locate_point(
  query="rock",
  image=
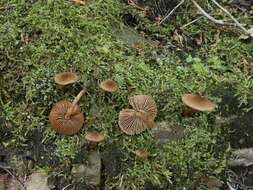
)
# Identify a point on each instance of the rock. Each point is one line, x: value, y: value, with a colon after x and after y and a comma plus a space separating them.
x: 212, y: 182
x: 244, y: 157
x: 91, y: 173
x: 167, y: 132
x: 37, y: 181
x: 78, y: 172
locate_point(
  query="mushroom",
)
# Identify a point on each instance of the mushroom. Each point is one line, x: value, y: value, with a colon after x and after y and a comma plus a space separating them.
x: 144, y: 103
x: 134, y: 122
x: 65, y: 78
x: 94, y: 138
x: 141, y: 153
x: 196, y: 102
x: 109, y: 85
x: 63, y: 121
x: 65, y: 117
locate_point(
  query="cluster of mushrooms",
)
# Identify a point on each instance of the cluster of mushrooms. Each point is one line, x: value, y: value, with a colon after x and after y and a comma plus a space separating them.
x: 66, y: 117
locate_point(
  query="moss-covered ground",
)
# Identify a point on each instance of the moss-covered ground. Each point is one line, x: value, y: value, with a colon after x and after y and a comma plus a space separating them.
x: 41, y: 38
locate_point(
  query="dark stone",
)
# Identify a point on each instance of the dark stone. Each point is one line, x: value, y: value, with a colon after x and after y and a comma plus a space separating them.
x: 129, y: 20
x: 111, y: 158
x: 149, y: 186
x: 81, y: 156
x: 5, y: 130
x: 229, y: 104
x: 242, y: 131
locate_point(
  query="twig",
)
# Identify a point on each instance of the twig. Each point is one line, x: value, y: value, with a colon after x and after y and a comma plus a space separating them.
x: 121, y: 181
x: 193, y: 21
x: 64, y: 188
x: 231, y: 16
x: 131, y: 2
x: 171, y: 12
x: 221, y: 22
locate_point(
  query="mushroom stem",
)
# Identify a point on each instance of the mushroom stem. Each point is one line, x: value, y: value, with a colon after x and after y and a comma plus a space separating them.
x: 146, y: 118
x: 92, y: 145
x: 71, y: 110
x: 142, y: 114
x: 188, y: 112
x: 60, y: 86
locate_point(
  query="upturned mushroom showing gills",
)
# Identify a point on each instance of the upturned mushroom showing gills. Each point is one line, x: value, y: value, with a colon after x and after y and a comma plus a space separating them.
x: 65, y: 117
x: 141, y: 153
x: 134, y: 122
x: 197, y: 103
x: 144, y: 103
x: 109, y: 85
x: 65, y: 78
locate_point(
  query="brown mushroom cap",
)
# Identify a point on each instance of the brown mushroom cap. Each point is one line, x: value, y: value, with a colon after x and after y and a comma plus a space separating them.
x: 141, y: 153
x: 198, y: 102
x: 144, y: 103
x: 109, y: 85
x: 131, y: 122
x: 62, y: 125
x: 66, y: 78
x: 94, y: 137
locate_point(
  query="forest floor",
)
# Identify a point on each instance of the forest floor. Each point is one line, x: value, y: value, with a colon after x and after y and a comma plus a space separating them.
x: 116, y: 40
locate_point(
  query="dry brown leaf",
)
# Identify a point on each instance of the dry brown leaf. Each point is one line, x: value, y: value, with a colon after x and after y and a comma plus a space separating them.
x: 179, y: 39
x: 139, y: 46
x: 80, y: 2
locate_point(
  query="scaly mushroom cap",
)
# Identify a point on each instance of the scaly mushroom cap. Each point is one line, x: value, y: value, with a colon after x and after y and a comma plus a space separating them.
x: 144, y: 103
x: 132, y: 122
x: 94, y: 137
x: 62, y: 125
x: 198, y: 103
x: 66, y: 78
x: 141, y: 153
x: 109, y: 85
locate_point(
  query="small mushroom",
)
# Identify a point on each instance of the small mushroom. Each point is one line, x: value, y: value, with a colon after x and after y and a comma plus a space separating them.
x: 109, y: 85
x: 65, y: 117
x: 141, y: 153
x: 144, y: 103
x: 197, y: 103
x: 94, y: 138
x: 65, y: 78
x: 134, y: 122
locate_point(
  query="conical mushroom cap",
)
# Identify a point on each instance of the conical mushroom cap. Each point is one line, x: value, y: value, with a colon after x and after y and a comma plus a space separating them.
x: 141, y: 153
x: 144, y: 103
x: 131, y: 123
x: 198, y: 103
x: 62, y: 125
x: 94, y: 137
x: 66, y: 78
x: 109, y: 85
